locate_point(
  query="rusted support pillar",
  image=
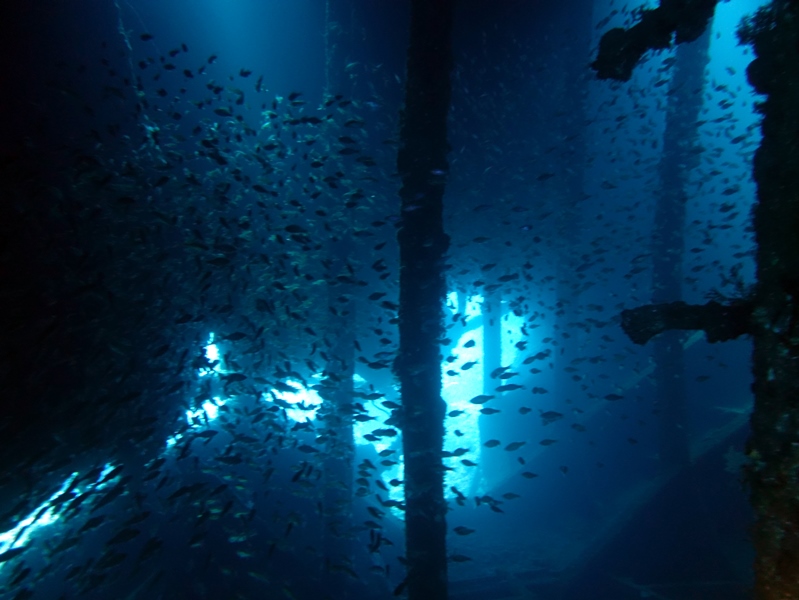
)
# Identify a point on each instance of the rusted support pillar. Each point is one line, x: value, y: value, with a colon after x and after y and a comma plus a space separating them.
x: 773, y: 449
x: 771, y: 315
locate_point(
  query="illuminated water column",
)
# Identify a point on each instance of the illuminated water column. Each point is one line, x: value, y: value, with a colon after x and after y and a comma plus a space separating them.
x: 491, y: 427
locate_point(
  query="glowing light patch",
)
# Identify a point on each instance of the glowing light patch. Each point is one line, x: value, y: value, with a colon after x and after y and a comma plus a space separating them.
x: 203, y: 415
x: 452, y: 301
x: 212, y: 350
x: 307, y: 401
x: 107, y: 468
x: 211, y: 409
x: 212, y: 354
x: 473, y: 306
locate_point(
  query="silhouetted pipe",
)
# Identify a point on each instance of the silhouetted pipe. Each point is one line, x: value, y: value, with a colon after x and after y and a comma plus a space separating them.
x: 422, y: 165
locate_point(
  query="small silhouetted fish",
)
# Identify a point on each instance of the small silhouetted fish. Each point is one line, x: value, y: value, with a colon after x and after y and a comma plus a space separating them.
x: 284, y: 387
x: 731, y: 190
x: 613, y: 397
x: 9, y: 554
x: 109, y: 497
x: 461, y: 530
x: 235, y: 336
x: 514, y: 446
x: 219, y: 261
x: 481, y: 399
x: 124, y: 536
x: 145, y: 37
x: 92, y: 523
x: 18, y: 579
x: 550, y: 416
x: 24, y: 594
x: 152, y: 545
x: 110, y: 559
x: 498, y: 371
x: 509, y: 387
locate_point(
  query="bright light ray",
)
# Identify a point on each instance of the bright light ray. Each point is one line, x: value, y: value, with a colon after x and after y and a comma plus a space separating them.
x: 457, y: 390
x: 21, y: 534
x: 511, y: 335
x: 45, y: 514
